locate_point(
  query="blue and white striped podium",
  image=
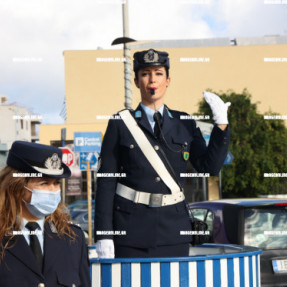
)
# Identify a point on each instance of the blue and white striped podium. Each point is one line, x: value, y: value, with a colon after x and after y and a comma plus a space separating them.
x: 211, y: 265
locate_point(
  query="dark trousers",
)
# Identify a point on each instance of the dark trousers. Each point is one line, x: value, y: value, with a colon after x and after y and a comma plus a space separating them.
x: 180, y: 250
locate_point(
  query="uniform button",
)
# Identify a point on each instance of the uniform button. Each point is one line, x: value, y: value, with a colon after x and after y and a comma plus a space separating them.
x: 118, y: 208
x: 74, y: 285
x: 132, y: 146
x: 157, y: 179
x: 185, y: 143
x: 122, y: 168
x: 41, y: 285
x: 156, y: 147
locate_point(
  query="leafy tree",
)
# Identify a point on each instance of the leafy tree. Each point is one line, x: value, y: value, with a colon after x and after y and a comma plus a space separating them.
x: 258, y: 145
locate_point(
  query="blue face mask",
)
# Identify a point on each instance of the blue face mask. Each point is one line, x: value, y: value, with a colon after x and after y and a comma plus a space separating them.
x: 43, y: 202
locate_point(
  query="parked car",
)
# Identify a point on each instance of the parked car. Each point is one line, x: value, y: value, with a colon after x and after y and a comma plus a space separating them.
x: 79, y: 214
x: 82, y: 219
x: 80, y: 205
x: 255, y: 222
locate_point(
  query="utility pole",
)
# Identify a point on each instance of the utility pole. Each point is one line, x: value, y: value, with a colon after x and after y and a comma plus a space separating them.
x: 127, y: 57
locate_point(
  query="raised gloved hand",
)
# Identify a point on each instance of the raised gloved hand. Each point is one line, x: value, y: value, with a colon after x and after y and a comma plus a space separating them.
x: 218, y: 107
x: 105, y: 248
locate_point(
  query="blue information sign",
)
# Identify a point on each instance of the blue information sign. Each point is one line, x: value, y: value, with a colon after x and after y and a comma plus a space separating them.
x: 229, y: 158
x: 91, y: 157
x: 87, y: 141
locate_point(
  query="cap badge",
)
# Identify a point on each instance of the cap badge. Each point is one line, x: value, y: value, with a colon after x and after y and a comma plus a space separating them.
x: 53, y: 162
x: 151, y: 57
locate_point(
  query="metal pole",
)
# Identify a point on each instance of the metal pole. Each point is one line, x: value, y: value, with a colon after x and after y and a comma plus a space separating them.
x: 63, y: 138
x: 220, y: 185
x: 204, y: 189
x: 89, y: 195
x: 127, y: 57
x: 63, y: 182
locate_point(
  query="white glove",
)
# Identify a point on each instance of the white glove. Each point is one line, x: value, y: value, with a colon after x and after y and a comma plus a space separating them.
x: 218, y: 107
x: 105, y: 248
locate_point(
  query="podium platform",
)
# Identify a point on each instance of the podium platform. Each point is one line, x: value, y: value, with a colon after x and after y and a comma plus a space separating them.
x: 209, y: 265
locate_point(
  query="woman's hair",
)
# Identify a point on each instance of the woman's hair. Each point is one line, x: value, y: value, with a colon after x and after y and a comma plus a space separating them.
x: 11, y: 213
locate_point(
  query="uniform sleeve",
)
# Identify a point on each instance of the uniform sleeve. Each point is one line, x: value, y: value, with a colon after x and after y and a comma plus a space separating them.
x: 209, y: 159
x: 85, y: 263
x: 106, y: 186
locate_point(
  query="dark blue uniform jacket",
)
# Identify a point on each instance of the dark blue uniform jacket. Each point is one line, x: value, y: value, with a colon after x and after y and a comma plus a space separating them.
x: 146, y: 226
x: 65, y: 262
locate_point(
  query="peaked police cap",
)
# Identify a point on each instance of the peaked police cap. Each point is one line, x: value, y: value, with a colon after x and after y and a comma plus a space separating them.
x: 149, y: 58
x: 37, y: 158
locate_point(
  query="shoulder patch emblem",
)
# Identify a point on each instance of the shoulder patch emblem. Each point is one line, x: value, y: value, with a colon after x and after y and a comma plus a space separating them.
x: 185, y: 155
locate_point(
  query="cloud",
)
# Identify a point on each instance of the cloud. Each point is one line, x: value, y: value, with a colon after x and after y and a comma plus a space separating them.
x: 169, y: 19
x: 38, y: 31
x: 186, y: 19
x: 244, y: 18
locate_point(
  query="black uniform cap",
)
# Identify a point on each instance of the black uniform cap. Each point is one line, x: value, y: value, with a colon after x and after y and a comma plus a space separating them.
x: 149, y: 58
x: 37, y: 158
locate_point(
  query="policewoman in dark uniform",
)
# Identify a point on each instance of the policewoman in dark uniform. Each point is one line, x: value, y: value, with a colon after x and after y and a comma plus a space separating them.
x: 39, y: 246
x: 139, y: 215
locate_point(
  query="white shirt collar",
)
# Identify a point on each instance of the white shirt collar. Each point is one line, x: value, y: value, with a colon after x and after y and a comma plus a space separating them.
x: 40, y: 222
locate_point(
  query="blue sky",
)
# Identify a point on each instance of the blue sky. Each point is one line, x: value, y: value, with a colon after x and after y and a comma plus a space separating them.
x: 34, y: 34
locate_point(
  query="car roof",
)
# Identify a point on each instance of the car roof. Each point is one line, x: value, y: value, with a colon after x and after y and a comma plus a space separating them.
x: 244, y: 201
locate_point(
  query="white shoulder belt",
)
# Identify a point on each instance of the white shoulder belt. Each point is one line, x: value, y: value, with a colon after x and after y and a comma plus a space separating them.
x: 155, y: 161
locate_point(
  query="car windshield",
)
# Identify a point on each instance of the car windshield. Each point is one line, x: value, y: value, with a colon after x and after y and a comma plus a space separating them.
x: 266, y: 227
x: 79, y: 206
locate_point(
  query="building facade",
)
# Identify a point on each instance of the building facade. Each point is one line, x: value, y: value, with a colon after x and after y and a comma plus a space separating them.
x: 94, y: 80
x: 16, y: 123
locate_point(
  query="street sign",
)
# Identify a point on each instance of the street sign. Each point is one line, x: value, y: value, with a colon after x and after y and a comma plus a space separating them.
x: 87, y: 141
x: 91, y: 157
x: 68, y: 156
x: 229, y: 158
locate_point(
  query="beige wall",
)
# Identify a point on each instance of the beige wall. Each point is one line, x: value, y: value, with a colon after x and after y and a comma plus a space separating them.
x: 92, y: 88
x: 97, y: 88
x: 234, y: 67
x: 53, y: 132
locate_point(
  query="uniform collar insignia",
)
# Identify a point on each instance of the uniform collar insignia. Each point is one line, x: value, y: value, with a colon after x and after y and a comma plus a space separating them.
x: 138, y: 114
x: 169, y: 114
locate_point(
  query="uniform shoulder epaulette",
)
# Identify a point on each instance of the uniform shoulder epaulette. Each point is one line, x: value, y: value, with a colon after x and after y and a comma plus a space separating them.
x: 176, y: 113
x: 75, y: 224
x: 130, y: 109
x: 116, y: 114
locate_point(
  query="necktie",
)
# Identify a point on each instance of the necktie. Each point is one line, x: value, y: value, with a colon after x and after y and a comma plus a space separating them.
x: 34, y: 243
x: 157, y: 126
